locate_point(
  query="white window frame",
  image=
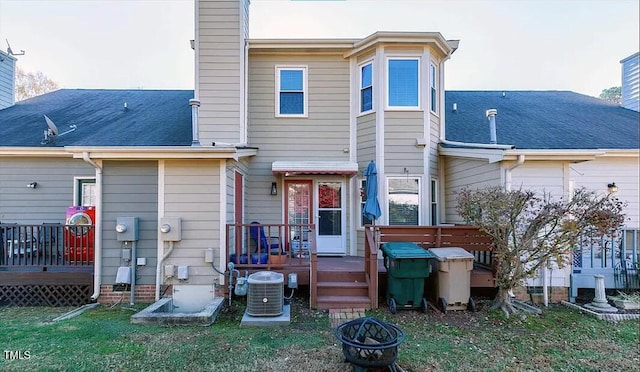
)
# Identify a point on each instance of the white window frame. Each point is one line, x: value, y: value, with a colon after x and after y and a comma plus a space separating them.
x: 305, y: 90
x: 434, y: 93
x: 77, y: 181
x: 361, y: 88
x: 433, y: 202
x: 420, y: 202
x: 418, y: 107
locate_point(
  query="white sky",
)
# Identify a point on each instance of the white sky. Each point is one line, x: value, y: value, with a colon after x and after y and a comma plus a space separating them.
x: 504, y: 45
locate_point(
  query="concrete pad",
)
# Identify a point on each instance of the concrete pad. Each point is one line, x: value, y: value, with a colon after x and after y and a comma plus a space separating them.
x: 267, y: 321
x: 161, y: 313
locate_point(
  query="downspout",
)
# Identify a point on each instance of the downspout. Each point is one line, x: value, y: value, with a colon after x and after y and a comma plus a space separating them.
x: 159, y: 268
x: 507, y: 183
x: 97, y: 246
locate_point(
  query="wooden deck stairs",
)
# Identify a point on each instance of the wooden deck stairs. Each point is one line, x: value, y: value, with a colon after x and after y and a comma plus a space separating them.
x: 338, y: 289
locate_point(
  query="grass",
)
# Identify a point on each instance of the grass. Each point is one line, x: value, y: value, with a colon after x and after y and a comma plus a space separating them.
x: 103, y: 339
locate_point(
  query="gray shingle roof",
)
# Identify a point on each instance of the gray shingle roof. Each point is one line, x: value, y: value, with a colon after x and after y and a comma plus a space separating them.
x: 541, y: 120
x: 152, y: 118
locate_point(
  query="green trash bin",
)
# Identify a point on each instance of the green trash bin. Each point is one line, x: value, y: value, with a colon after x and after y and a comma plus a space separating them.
x: 408, y: 265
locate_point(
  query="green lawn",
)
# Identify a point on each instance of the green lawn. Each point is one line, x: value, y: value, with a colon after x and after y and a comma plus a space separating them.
x: 103, y: 339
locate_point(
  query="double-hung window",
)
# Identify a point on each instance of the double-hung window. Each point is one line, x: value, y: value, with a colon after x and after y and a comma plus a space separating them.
x: 363, y: 199
x: 84, y: 191
x: 291, y: 91
x: 404, y: 201
x: 434, y: 201
x: 366, y: 87
x: 433, y: 81
x: 403, y: 83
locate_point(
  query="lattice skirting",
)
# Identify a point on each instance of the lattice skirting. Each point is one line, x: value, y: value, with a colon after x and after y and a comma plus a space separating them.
x: 45, y: 295
x: 45, y: 288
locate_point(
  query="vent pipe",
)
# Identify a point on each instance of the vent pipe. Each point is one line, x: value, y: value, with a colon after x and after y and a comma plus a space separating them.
x: 491, y: 115
x: 195, y: 104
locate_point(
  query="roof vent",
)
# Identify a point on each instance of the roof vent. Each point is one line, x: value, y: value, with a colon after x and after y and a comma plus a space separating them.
x: 491, y: 115
x: 504, y: 94
x: 455, y: 107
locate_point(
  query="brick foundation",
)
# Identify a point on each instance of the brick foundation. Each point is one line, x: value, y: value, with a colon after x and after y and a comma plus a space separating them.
x: 556, y: 295
x: 145, y: 293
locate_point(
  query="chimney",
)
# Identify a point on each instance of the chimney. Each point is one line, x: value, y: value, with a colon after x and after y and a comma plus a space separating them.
x: 7, y: 80
x: 491, y: 115
x: 631, y: 82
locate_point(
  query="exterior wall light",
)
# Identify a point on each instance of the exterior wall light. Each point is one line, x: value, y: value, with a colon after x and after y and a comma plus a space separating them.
x: 274, y: 188
x: 612, y: 187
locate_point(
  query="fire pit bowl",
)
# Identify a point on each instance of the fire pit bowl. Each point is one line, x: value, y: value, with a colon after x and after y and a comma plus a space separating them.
x: 370, y: 343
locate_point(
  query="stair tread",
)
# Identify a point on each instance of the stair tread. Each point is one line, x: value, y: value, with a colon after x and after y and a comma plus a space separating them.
x: 343, y: 299
x: 343, y: 284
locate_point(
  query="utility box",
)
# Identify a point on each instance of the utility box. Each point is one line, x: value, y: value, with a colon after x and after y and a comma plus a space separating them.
x: 127, y: 229
x: 170, y: 229
x: 452, y: 283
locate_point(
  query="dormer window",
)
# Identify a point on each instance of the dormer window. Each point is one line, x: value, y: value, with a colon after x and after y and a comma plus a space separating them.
x: 366, y: 87
x: 291, y: 91
x: 403, y: 83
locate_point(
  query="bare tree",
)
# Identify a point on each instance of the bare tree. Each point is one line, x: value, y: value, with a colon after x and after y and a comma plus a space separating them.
x: 32, y: 84
x: 529, y: 230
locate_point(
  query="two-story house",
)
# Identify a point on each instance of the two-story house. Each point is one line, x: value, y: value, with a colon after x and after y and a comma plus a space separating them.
x: 277, y: 132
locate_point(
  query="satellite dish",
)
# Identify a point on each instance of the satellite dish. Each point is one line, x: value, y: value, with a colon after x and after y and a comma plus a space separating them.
x: 52, y: 126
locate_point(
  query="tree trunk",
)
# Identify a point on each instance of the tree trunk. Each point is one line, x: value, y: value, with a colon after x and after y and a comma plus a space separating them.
x: 502, y: 301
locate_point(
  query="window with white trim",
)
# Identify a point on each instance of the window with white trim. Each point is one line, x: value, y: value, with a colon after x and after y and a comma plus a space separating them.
x: 403, y: 83
x: 363, y: 199
x: 85, y: 192
x: 403, y: 195
x: 434, y: 202
x: 291, y: 91
x: 366, y: 87
x: 433, y: 81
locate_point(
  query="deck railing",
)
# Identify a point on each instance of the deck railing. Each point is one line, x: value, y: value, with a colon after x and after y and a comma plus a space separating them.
x: 39, y: 247
x: 371, y: 264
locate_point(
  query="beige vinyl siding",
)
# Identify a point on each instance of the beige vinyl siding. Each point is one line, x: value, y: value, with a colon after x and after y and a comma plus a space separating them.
x: 596, y: 174
x: 192, y: 192
x: 219, y: 71
x: 463, y: 173
x: 323, y: 135
x: 433, y: 141
x: 540, y: 176
x: 129, y: 189
x: 366, y: 138
x: 46, y: 203
x: 401, y: 128
x: 366, y: 57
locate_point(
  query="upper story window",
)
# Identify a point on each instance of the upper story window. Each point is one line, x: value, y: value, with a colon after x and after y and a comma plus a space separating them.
x: 291, y: 91
x: 403, y: 83
x: 366, y: 87
x: 433, y: 81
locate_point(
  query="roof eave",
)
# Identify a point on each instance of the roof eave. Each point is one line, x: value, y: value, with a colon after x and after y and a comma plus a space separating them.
x: 55, y: 152
x: 161, y: 152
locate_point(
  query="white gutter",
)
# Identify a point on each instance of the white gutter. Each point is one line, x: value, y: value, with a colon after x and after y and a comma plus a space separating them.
x: 476, y: 145
x: 507, y: 183
x: 97, y: 247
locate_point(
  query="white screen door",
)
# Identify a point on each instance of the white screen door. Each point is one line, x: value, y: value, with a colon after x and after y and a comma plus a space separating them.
x: 330, y: 225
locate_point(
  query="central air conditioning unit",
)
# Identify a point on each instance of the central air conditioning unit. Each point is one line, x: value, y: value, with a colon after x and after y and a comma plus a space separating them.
x: 265, y: 296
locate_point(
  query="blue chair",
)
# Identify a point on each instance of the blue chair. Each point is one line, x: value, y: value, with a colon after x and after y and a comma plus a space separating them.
x: 263, y: 244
